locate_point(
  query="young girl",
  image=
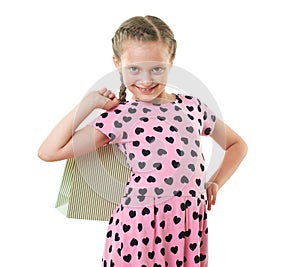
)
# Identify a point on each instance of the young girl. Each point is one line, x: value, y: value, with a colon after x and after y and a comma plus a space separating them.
x: 162, y: 218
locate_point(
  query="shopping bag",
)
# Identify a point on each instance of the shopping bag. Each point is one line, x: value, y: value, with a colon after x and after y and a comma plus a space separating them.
x: 93, y: 184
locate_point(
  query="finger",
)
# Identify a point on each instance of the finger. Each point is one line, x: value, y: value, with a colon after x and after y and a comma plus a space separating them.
x: 106, y: 93
x: 208, y: 200
x: 214, y: 198
x: 102, y: 90
x: 215, y: 192
x: 111, y: 103
x: 115, y: 100
x: 212, y: 195
x: 111, y: 96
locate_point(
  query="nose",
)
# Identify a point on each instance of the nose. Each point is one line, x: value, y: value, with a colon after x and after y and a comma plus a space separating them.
x: 145, y: 80
x: 145, y: 83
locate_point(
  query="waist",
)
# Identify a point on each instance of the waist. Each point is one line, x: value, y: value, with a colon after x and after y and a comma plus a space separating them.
x: 140, y: 200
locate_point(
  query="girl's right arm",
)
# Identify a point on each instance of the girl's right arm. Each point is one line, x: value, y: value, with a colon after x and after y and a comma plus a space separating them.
x: 59, y: 144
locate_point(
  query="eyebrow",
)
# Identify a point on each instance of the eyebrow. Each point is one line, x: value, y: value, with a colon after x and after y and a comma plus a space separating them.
x: 141, y: 65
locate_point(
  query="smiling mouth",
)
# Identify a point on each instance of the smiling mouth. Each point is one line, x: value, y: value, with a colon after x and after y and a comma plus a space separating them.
x: 146, y: 90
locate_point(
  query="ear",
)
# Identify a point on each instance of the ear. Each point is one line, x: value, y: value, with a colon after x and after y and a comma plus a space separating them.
x: 117, y: 62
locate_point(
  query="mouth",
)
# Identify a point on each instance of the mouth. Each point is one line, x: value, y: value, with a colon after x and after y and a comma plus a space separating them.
x: 147, y: 90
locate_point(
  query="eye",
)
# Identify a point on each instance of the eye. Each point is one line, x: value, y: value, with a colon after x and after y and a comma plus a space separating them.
x: 157, y: 69
x: 133, y: 69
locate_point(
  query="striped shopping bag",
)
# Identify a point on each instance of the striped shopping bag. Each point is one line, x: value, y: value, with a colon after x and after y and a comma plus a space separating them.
x: 93, y: 184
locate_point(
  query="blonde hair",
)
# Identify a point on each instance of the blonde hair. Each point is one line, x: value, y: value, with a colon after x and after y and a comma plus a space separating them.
x: 148, y: 28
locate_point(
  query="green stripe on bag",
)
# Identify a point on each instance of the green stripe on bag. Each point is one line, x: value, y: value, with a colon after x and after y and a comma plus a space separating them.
x: 93, y: 184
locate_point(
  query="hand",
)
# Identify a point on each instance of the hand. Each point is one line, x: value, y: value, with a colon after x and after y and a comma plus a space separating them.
x: 211, y: 192
x: 103, y: 99
x: 110, y: 99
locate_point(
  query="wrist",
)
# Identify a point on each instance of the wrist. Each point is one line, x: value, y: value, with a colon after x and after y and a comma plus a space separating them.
x: 215, y: 184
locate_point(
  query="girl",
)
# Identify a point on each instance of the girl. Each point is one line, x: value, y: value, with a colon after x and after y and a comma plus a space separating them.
x: 162, y: 219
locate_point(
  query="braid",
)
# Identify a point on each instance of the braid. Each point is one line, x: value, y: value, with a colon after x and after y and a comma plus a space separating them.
x: 122, y: 92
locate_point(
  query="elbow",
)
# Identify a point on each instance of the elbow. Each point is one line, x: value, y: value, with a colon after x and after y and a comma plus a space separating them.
x: 44, y: 155
x: 243, y: 148
x: 239, y: 147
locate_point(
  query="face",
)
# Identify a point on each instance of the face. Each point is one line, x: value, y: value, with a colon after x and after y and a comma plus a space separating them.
x: 145, y: 67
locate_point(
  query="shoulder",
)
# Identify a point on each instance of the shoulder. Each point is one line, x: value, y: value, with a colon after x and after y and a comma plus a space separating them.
x: 188, y: 99
x: 116, y: 110
x: 191, y: 100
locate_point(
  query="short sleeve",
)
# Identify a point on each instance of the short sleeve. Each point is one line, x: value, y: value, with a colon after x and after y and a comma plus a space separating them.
x: 208, y: 118
x: 108, y: 123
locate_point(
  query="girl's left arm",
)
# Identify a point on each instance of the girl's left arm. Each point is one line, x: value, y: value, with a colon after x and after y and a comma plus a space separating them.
x: 235, y: 150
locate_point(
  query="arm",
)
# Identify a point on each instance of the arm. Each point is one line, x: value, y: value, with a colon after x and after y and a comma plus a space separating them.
x: 59, y: 143
x: 235, y: 151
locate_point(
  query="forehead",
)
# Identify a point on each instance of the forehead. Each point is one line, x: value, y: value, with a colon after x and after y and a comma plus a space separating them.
x: 144, y: 51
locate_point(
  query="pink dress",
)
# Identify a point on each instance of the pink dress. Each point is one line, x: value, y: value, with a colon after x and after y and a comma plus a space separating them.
x: 162, y: 218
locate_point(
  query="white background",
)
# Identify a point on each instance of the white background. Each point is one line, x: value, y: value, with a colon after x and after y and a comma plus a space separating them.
x: 245, y: 52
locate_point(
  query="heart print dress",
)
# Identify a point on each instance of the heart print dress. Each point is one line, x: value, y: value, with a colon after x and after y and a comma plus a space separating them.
x: 162, y: 219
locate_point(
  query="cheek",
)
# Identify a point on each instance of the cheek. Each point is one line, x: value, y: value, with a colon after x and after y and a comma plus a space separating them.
x: 129, y: 79
x: 161, y: 78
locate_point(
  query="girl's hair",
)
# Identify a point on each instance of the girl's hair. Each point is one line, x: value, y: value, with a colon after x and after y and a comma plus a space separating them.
x: 148, y: 28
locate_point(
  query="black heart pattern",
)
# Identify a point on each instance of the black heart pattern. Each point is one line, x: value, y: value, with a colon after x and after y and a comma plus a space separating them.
x: 163, y: 135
